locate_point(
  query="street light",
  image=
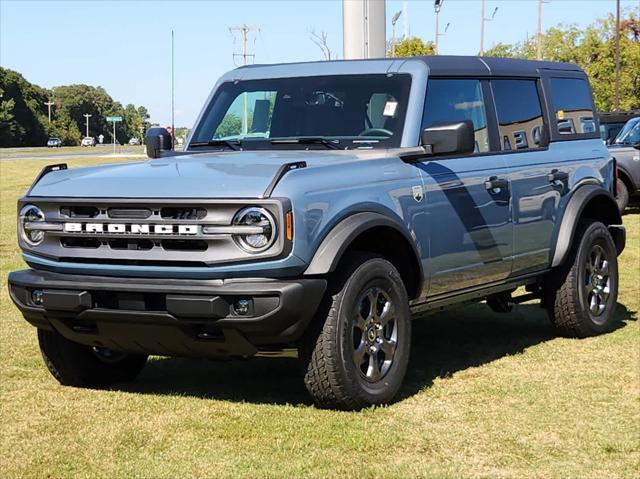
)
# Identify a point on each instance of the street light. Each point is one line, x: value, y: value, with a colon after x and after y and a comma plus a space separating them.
x: 539, y: 39
x: 437, y: 5
x: 484, y: 19
x: 49, y: 105
x: 394, y: 19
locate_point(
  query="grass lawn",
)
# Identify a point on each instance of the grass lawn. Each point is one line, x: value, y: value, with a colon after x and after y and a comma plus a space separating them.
x: 487, y: 395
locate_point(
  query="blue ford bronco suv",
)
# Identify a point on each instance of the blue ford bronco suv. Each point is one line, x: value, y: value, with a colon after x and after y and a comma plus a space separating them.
x: 321, y: 206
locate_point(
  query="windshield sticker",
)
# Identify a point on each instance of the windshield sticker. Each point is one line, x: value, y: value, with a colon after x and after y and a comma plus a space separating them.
x: 390, y: 108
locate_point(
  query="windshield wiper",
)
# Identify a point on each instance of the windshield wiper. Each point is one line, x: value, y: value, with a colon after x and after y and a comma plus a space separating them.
x: 232, y: 144
x: 308, y: 140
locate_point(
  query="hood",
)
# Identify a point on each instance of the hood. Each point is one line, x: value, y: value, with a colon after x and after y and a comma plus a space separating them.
x: 242, y: 174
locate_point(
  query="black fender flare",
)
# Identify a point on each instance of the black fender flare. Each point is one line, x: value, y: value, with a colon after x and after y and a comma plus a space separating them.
x: 336, y: 242
x: 572, y: 214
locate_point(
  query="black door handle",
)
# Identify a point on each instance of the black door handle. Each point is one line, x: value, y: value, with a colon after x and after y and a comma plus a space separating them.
x: 494, y: 183
x: 556, y: 175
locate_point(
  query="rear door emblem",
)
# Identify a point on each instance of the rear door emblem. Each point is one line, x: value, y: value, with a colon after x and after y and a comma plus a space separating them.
x: 417, y: 193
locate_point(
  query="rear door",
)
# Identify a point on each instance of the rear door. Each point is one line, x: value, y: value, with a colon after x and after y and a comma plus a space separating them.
x: 466, y: 201
x: 537, y: 177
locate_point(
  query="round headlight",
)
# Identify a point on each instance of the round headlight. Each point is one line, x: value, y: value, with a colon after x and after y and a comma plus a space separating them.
x: 31, y: 214
x: 259, y: 217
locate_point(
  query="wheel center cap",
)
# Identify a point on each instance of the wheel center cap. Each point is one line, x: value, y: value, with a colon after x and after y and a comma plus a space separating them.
x: 371, y: 334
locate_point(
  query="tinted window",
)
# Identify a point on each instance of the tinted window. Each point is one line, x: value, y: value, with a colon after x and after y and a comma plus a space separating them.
x: 519, y: 114
x: 572, y: 106
x: 457, y: 100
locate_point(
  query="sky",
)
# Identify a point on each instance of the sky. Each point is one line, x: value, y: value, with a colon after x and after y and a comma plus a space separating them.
x: 125, y: 46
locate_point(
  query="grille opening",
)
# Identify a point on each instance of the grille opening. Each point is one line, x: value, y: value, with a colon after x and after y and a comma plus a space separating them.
x: 129, y: 213
x: 131, y: 244
x: 79, y: 211
x: 68, y: 242
x: 184, y: 245
x: 129, y: 301
x: 183, y: 213
x: 133, y: 262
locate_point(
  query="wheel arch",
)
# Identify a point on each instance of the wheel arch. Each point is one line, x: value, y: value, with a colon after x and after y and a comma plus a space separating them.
x: 376, y: 233
x: 589, y: 201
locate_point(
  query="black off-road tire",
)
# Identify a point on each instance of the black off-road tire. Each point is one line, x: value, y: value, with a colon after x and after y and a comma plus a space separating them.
x: 74, y: 364
x: 566, y: 290
x: 328, y: 351
x: 622, y: 196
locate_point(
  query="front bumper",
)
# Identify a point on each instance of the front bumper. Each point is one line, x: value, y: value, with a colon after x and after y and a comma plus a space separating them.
x: 172, y: 317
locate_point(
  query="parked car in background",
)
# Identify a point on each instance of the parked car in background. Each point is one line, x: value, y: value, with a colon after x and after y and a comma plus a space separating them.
x: 134, y: 141
x: 54, y: 142
x: 626, y: 150
x: 611, y: 123
x: 359, y: 195
x: 88, y: 141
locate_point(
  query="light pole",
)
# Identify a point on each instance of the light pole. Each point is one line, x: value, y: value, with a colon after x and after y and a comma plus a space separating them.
x: 49, y: 105
x: 539, y: 39
x: 393, y: 32
x: 484, y: 19
x: 87, y: 116
x: 437, y: 5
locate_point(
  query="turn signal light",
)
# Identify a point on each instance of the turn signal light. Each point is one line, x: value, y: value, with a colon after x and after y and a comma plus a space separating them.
x: 289, y: 225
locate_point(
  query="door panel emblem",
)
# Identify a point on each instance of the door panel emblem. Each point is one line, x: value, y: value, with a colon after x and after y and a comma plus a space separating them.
x: 417, y: 193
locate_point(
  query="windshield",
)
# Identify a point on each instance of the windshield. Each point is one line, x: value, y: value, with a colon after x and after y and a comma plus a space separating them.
x: 630, y: 133
x: 351, y: 111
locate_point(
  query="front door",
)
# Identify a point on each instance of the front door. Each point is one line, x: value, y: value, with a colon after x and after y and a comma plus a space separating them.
x: 467, y: 199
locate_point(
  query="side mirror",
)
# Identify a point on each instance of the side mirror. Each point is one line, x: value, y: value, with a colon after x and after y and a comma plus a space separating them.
x: 157, y: 140
x: 449, y: 138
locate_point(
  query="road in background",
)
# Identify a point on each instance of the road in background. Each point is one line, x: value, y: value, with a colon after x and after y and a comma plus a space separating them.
x: 70, y: 152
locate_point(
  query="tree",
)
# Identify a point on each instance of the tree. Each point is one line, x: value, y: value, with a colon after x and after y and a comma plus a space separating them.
x: 413, y: 46
x: 593, y: 49
x: 320, y: 39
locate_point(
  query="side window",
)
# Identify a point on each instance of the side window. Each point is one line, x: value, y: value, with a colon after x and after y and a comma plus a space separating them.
x: 248, y: 115
x: 519, y: 113
x: 572, y: 106
x: 457, y: 100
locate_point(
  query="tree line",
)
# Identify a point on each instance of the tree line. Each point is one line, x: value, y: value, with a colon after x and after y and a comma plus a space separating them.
x: 592, y: 48
x: 24, y: 115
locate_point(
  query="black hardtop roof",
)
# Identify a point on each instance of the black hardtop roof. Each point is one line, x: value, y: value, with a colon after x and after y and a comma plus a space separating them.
x: 465, y: 65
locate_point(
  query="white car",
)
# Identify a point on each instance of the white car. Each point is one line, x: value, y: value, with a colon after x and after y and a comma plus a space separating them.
x: 134, y: 141
x: 88, y: 141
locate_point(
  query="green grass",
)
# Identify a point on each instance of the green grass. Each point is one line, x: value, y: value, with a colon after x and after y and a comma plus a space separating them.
x: 486, y: 395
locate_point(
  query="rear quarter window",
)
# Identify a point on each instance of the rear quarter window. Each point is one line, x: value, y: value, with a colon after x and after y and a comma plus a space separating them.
x: 572, y: 105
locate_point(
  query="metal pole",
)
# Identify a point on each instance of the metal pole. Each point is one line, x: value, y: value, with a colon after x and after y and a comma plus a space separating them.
x: 437, y: 28
x: 617, y: 86
x: 539, y: 42
x: 393, y: 39
x: 173, y: 129
x: 87, y: 116
x: 482, y: 29
x: 49, y: 104
x: 114, y: 137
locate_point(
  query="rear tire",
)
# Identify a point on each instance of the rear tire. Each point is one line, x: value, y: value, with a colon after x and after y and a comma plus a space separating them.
x: 622, y: 197
x: 356, y: 352
x: 580, y: 296
x: 74, y: 364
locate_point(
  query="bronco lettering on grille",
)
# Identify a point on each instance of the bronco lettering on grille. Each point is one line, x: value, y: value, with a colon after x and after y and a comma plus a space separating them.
x: 130, y: 228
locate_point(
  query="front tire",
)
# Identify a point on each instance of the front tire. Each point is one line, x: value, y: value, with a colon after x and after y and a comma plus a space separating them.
x: 581, y: 295
x: 74, y: 364
x: 356, y: 352
x: 622, y: 197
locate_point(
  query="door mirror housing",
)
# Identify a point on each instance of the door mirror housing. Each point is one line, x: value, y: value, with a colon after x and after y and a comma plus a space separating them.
x: 157, y: 140
x: 449, y: 138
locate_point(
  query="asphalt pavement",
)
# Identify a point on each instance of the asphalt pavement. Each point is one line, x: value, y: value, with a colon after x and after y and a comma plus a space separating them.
x: 68, y: 152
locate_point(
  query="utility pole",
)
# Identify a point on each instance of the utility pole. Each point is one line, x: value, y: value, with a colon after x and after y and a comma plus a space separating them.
x: 539, y: 37
x: 87, y: 116
x: 244, y: 31
x: 484, y: 19
x: 617, y: 86
x: 49, y: 105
